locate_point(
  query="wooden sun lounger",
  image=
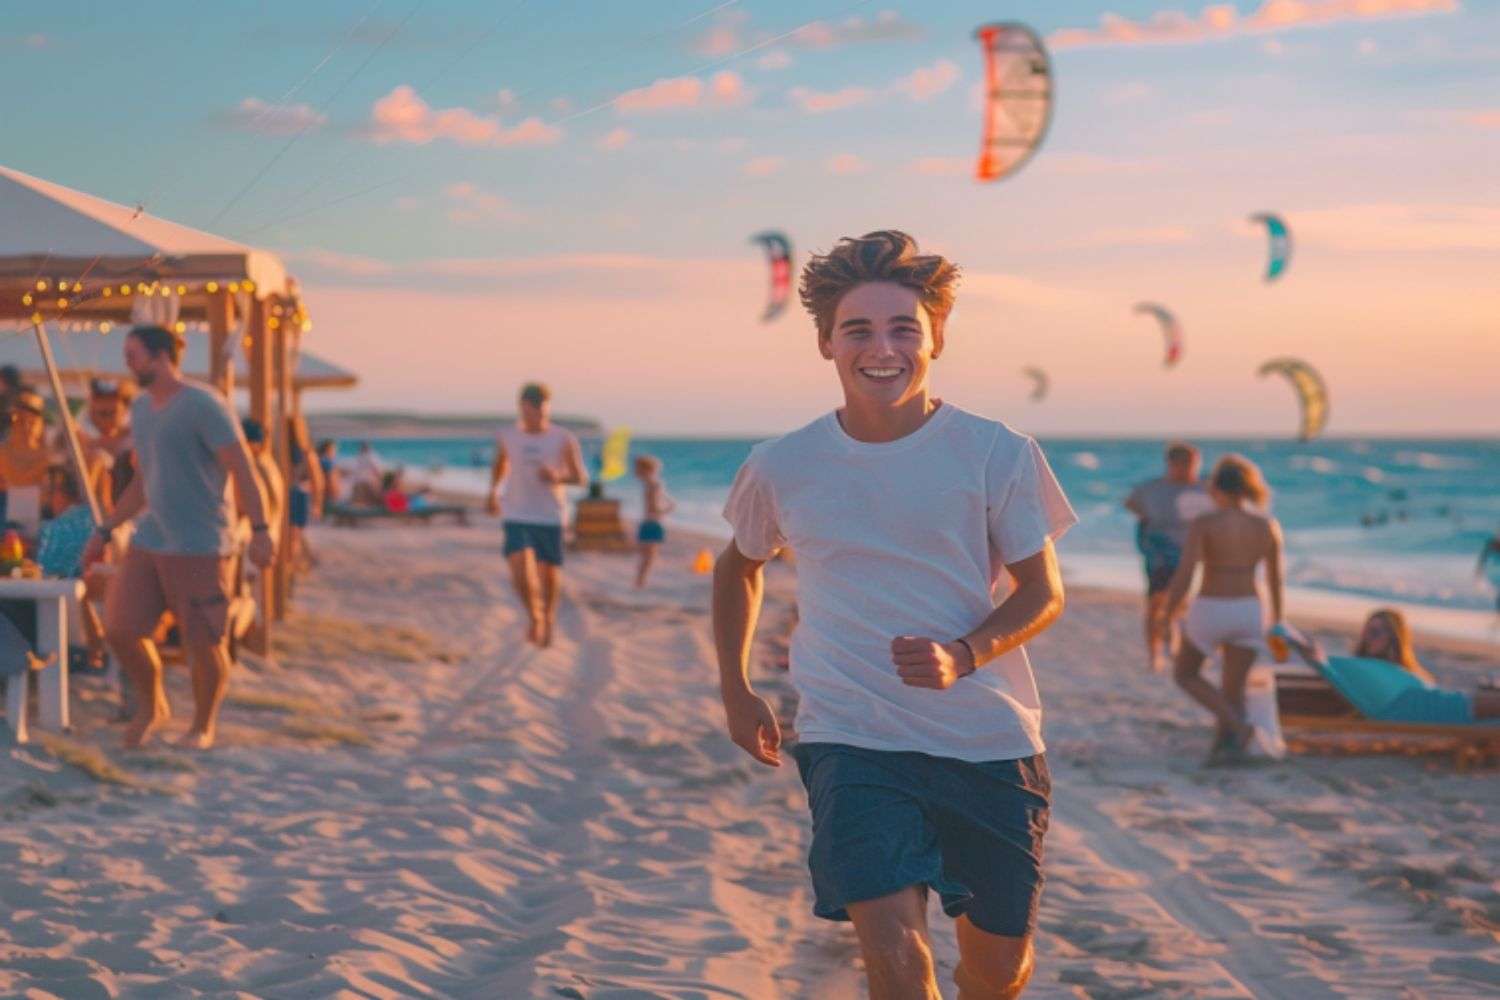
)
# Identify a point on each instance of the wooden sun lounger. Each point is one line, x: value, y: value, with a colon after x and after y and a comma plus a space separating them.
x: 349, y: 516
x: 1314, y: 716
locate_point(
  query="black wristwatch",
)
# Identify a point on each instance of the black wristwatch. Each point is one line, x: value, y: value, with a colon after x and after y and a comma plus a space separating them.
x: 104, y: 532
x: 973, y: 660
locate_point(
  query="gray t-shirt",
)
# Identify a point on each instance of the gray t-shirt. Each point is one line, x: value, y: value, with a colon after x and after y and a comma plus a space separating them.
x: 187, y: 505
x: 1170, y: 506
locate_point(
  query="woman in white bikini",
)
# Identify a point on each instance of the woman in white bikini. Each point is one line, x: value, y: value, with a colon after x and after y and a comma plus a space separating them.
x: 1228, y: 614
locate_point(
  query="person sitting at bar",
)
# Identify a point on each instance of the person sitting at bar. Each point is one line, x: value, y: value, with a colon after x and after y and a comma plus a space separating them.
x: 25, y: 456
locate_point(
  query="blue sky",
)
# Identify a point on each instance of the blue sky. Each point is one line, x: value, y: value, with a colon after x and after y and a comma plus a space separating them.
x: 473, y: 170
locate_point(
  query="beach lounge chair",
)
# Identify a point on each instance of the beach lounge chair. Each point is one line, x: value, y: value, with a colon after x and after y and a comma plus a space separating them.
x: 351, y: 515
x: 1389, y: 710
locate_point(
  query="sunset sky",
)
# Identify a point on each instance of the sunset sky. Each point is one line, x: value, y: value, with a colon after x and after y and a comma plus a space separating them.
x: 476, y: 194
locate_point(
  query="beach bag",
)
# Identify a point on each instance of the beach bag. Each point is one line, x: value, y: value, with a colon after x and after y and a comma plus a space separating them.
x: 1260, y: 712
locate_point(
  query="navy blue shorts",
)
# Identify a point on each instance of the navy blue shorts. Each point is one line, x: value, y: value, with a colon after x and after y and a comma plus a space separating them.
x: 652, y: 532
x: 543, y: 539
x: 299, y: 507
x: 884, y: 820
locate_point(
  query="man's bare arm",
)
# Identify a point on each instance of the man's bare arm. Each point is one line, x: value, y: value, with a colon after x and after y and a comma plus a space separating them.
x: 575, y: 475
x: 1036, y: 602
x: 235, y: 458
x: 739, y: 585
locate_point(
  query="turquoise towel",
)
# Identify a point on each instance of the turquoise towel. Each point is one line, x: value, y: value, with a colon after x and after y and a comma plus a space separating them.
x: 1387, y: 693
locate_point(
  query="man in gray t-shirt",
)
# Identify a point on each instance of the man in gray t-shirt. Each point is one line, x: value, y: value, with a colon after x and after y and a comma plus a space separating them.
x: 1164, y: 507
x: 188, y: 447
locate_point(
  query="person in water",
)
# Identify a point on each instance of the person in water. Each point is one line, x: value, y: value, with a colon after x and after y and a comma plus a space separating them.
x: 1228, y: 615
x: 1164, y: 507
x: 1489, y: 560
x: 918, y: 721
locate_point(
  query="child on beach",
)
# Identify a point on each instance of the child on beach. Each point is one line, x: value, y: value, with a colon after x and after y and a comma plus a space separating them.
x: 655, y: 505
x: 919, y: 726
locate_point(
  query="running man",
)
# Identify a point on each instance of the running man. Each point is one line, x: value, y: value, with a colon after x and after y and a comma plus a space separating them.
x: 1164, y: 507
x: 918, y: 722
x: 534, y: 460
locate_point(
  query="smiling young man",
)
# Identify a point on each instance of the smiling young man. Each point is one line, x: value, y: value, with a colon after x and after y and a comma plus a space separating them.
x: 919, y: 726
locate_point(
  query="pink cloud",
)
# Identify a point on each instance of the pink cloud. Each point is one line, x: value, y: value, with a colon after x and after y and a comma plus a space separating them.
x: 774, y: 60
x: 1224, y: 21
x: 942, y: 166
x: 846, y: 164
x: 887, y: 26
x: 763, y: 166
x: 725, y: 88
x: 617, y: 138
x: 262, y: 118
x: 1401, y: 227
x: 926, y: 82
x: 1483, y: 119
x: 402, y: 116
x: 815, y: 102
x: 469, y: 204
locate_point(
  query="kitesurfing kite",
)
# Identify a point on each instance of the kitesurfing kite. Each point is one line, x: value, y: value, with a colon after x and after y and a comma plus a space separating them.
x: 1312, y: 395
x: 1039, y: 383
x: 612, y: 456
x: 1018, y: 97
x: 1281, y: 243
x: 779, y: 256
x: 1171, y: 331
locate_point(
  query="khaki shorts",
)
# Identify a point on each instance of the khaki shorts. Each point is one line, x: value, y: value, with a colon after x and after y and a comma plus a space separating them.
x: 196, y: 589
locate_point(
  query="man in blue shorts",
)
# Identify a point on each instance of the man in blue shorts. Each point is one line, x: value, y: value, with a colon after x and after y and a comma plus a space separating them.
x: 924, y: 538
x: 534, y: 460
x: 1164, y: 507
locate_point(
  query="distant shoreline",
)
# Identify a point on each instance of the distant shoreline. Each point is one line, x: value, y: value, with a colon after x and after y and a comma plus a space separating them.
x: 395, y: 424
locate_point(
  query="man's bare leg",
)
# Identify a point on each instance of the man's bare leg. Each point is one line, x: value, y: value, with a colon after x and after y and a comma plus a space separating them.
x: 1158, y: 631
x: 991, y: 966
x: 142, y: 668
x: 648, y: 556
x: 522, y: 573
x: 551, y: 577
x: 892, y: 932
x: 210, y: 666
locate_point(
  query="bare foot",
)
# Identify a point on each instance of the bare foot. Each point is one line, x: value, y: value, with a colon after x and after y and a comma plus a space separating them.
x: 197, y: 739
x: 534, y: 632
x: 544, y: 638
x: 143, y: 727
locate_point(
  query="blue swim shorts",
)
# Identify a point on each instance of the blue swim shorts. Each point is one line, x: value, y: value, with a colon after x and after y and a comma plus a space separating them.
x: 651, y: 531
x: 543, y: 539
x: 299, y: 507
x: 884, y: 820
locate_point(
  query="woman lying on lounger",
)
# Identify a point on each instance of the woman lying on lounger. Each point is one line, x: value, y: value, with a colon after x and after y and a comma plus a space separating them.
x: 1367, y: 680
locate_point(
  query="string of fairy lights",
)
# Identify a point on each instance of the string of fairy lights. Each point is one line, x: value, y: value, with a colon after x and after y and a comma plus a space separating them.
x: 59, y: 296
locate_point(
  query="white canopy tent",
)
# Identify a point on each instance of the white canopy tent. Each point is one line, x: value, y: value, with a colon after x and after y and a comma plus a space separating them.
x: 82, y: 262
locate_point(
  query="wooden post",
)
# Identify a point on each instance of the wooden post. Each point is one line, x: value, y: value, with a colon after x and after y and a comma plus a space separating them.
x: 281, y: 444
x: 220, y: 350
x: 259, y: 357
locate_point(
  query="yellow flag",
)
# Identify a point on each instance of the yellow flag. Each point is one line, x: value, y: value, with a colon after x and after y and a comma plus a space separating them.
x: 612, y: 458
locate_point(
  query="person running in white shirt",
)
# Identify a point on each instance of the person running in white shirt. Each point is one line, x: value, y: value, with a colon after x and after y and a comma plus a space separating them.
x: 924, y: 538
x: 534, y: 460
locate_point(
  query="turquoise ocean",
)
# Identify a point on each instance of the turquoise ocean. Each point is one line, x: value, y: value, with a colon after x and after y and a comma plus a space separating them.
x: 1383, y: 519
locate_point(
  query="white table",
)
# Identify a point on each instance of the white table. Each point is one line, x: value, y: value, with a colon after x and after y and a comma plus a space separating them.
x: 51, y: 598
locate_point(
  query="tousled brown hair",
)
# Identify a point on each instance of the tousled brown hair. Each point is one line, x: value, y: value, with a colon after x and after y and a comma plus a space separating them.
x: 1237, y: 476
x: 885, y: 255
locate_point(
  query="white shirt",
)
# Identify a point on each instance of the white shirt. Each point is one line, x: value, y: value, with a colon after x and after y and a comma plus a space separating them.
x: 523, y: 495
x: 907, y: 537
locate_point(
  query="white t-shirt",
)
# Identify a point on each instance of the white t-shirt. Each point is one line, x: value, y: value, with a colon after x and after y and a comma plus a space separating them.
x: 523, y: 495
x: 907, y: 537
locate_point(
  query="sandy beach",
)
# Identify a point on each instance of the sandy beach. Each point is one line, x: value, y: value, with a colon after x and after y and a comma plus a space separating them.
x: 410, y: 802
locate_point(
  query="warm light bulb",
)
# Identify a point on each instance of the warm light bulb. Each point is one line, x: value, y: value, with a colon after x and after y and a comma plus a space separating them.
x: 106, y: 326
x: 124, y: 289
x: 108, y: 291
x: 212, y: 286
x: 26, y: 299
x: 41, y: 286
x: 180, y: 326
x: 249, y: 286
x: 182, y: 289
x: 36, y: 318
x: 234, y: 286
